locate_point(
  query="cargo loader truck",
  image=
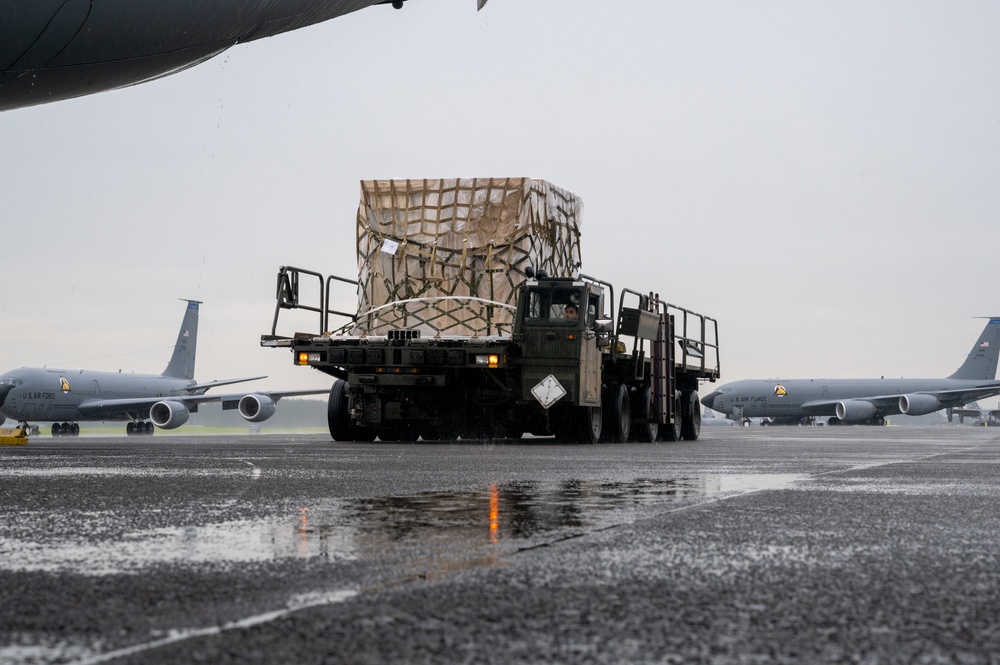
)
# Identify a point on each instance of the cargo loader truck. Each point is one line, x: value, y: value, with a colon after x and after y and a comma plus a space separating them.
x: 471, y: 336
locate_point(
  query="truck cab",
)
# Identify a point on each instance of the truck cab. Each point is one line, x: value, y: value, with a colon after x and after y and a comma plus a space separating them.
x: 557, y: 333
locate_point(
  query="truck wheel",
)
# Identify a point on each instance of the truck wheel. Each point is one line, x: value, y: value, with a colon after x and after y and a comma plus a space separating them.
x: 621, y: 414
x: 672, y: 431
x: 648, y: 429
x: 337, y: 413
x: 591, y: 424
x: 691, y: 422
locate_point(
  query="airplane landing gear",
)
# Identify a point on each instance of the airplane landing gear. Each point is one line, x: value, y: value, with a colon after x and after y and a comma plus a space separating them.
x: 65, y: 429
x: 139, y: 429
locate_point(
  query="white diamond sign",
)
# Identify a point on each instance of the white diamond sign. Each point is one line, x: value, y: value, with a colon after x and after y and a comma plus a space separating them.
x: 548, y: 391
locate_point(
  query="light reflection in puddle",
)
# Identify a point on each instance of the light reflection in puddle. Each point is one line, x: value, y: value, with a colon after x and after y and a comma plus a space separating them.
x: 500, y: 518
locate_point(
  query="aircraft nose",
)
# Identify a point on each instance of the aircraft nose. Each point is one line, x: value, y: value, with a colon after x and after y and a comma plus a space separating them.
x: 709, y: 399
x: 4, y: 391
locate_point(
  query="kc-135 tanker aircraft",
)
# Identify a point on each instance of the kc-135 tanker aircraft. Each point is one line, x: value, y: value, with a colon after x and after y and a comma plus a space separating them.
x: 59, y: 49
x: 33, y: 394
x: 868, y: 401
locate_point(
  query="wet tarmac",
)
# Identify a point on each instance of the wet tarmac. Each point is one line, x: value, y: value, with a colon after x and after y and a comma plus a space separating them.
x: 751, y: 545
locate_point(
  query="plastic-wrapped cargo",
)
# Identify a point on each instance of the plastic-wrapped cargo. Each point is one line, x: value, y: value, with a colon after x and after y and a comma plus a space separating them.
x: 446, y: 256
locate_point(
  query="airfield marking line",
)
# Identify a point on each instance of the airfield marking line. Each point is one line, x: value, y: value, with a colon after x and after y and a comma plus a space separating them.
x: 246, y: 622
x: 922, y: 458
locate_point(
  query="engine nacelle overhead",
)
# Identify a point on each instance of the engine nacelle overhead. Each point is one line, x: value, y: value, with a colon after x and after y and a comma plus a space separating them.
x: 169, y: 414
x: 855, y: 410
x: 256, y: 408
x: 919, y: 404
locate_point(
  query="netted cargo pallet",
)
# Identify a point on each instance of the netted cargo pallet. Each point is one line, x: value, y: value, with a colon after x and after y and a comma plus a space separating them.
x: 446, y: 256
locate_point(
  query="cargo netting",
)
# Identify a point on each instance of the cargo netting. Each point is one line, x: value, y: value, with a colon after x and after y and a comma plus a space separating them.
x: 446, y: 256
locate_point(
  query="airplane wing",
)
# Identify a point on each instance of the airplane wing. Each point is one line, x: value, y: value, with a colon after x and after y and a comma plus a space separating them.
x: 828, y: 407
x: 232, y: 401
x: 202, y: 387
x: 890, y: 403
x: 98, y: 408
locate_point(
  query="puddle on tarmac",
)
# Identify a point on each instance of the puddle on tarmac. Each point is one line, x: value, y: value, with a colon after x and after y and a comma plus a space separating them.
x: 497, y: 519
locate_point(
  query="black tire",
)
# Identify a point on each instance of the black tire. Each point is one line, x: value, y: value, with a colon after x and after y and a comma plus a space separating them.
x: 591, y: 423
x: 619, y: 415
x: 337, y: 412
x: 672, y: 431
x: 691, y: 421
x: 648, y: 429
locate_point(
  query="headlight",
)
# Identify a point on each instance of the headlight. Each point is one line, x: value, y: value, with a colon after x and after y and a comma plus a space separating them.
x: 307, y: 358
x: 491, y: 360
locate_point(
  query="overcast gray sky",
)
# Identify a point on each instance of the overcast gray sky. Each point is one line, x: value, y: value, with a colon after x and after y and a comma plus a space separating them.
x: 821, y: 177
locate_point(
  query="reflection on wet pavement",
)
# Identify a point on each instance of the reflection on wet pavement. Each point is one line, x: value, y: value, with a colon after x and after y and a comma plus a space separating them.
x: 439, y: 526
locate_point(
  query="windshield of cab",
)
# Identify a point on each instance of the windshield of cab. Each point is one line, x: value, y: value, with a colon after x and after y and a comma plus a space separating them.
x: 553, y: 305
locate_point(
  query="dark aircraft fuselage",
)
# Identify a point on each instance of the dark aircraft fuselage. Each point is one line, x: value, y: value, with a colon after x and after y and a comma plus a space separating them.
x: 58, y: 49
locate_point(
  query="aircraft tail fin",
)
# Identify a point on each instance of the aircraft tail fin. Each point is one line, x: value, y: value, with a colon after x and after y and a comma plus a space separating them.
x: 181, y: 365
x: 981, y: 364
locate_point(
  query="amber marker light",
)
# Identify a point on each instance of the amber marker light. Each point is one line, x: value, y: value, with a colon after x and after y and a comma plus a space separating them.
x: 494, y: 360
x: 303, y: 358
